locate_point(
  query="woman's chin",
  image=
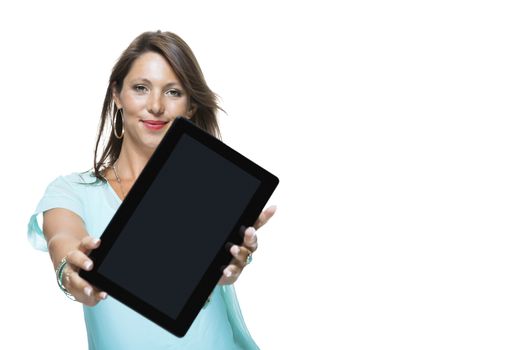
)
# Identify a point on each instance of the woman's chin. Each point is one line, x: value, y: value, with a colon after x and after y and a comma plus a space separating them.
x: 151, y: 143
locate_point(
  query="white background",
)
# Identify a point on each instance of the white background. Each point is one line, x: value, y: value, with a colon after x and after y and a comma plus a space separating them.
x: 395, y: 127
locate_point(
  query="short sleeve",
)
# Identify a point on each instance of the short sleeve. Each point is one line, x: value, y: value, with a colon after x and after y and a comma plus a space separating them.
x: 60, y: 193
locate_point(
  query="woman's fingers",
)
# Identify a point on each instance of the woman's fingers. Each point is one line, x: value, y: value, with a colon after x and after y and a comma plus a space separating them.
x: 230, y: 274
x: 250, y: 239
x: 102, y: 295
x: 265, y: 216
x: 240, y: 254
x: 88, y: 243
x: 80, y: 260
x: 81, y: 289
x: 76, y: 285
x: 232, y: 271
x: 78, y: 257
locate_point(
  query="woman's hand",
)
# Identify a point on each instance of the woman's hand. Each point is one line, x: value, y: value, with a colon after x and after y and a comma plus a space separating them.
x: 240, y: 253
x: 77, y: 259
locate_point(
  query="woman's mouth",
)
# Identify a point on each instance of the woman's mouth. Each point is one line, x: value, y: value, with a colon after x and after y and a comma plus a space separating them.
x: 154, y: 124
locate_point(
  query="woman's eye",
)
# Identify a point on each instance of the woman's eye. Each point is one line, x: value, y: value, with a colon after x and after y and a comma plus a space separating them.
x: 140, y: 88
x: 175, y: 93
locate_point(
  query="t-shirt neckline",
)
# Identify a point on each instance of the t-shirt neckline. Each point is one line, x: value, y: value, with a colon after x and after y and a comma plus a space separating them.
x: 115, y: 195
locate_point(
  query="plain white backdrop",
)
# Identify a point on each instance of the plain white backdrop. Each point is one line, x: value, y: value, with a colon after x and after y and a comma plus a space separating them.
x: 396, y: 129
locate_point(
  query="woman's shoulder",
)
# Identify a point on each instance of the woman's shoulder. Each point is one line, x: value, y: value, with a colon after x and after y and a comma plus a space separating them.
x: 82, y: 178
x: 77, y: 180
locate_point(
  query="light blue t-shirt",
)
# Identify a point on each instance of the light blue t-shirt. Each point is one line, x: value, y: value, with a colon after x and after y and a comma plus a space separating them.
x: 110, y: 324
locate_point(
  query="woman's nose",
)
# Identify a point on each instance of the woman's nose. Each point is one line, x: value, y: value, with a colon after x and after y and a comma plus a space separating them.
x: 155, y: 104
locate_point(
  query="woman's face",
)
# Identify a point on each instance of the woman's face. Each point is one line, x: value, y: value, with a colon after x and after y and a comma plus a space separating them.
x: 151, y: 97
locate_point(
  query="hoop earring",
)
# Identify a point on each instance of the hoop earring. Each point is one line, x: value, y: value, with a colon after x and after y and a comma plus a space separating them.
x: 114, y: 123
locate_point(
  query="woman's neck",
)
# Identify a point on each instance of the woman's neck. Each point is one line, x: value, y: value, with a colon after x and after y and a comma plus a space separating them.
x: 131, y: 162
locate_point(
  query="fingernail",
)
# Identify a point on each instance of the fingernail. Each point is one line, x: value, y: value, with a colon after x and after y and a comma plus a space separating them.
x: 227, y: 273
x: 103, y: 295
x: 235, y: 250
x: 88, y: 265
x: 87, y: 291
x: 96, y: 240
x: 250, y: 232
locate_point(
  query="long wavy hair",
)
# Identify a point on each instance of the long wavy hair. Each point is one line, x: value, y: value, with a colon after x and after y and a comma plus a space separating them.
x: 183, y: 62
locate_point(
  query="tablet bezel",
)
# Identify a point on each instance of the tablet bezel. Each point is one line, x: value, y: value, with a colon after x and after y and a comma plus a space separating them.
x: 189, y: 312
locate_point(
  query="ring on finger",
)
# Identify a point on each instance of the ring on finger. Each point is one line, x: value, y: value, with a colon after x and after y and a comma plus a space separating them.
x: 249, y: 259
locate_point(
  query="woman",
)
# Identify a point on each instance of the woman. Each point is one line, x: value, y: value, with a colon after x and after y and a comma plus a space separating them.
x: 156, y: 79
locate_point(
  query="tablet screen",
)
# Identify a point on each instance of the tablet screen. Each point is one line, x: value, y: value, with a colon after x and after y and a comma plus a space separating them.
x: 182, y: 221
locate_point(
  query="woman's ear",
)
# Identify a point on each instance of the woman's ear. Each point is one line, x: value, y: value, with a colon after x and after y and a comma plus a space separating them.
x: 115, y: 95
x: 191, y: 110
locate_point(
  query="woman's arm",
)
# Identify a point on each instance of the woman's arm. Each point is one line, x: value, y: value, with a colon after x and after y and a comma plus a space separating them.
x: 66, y: 236
x: 63, y: 230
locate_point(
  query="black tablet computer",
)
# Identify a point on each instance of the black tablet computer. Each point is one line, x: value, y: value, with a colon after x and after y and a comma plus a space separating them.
x: 194, y: 196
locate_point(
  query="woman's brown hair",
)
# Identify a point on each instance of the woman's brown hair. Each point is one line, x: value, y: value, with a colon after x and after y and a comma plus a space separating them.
x: 181, y: 59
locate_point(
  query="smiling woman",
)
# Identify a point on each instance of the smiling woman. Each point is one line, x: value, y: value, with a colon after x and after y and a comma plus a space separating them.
x: 156, y: 79
x: 150, y: 98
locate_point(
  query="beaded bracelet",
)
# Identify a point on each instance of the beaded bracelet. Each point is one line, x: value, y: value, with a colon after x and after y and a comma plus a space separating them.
x: 59, y: 272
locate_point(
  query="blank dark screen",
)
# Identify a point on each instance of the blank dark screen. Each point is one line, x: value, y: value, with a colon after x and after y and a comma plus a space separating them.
x: 179, y: 226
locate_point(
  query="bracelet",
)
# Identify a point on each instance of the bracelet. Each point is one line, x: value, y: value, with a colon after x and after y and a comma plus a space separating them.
x: 59, y: 272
